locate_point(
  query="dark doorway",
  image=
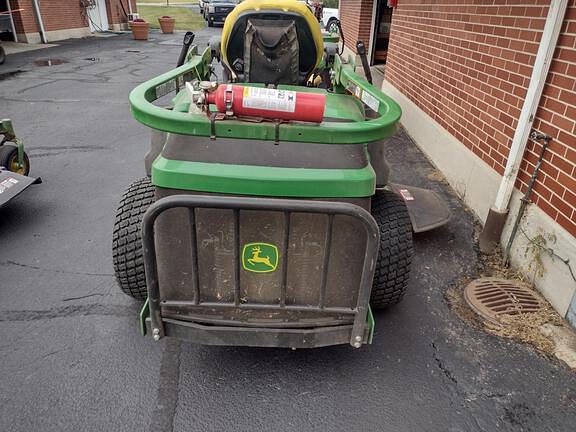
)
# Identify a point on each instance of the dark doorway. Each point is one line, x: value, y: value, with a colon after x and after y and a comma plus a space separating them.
x: 6, y: 24
x: 382, y: 24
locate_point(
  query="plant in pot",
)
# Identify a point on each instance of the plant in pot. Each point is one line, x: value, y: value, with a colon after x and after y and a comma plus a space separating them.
x: 167, y: 24
x: 140, y: 29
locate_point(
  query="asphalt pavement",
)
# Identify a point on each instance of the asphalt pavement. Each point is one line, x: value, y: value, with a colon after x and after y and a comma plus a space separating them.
x: 71, y: 357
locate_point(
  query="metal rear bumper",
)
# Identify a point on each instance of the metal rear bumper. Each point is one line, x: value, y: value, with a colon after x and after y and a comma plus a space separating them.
x: 218, y: 16
x: 259, y: 336
x: 157, y: 317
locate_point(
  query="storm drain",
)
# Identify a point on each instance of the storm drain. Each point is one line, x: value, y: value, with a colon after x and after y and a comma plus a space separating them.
x: 491, y: 298
x: 49, y: 62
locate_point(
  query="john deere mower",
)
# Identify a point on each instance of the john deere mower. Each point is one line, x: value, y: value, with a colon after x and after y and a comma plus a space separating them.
x: 14, y: 164
x: 266, y: 217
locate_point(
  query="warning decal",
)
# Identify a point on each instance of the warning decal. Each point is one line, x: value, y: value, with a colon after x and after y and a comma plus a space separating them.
x: 269, y: 99
x: 7, y: 184
x: 406, y: 195
x: 370, y: 101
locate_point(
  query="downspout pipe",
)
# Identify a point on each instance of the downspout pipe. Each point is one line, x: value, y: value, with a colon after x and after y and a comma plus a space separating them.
x: 12, y: 21
x: 494, y: 225
x: 40, y: 21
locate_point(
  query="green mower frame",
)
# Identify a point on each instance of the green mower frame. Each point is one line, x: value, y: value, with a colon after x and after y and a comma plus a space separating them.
x: 14, y: 164
x: 323, y: 233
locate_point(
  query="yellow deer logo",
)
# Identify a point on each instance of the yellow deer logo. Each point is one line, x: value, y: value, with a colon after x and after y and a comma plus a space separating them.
x: 257, y: 259
x: 260, y: 258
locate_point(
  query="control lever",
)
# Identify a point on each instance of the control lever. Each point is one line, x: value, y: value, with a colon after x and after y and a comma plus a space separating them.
x: 361, y: 49
x: 188, y: 39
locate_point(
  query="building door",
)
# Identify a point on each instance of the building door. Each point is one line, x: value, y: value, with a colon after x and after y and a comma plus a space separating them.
x: 98, y: 16
x: 382, y: 23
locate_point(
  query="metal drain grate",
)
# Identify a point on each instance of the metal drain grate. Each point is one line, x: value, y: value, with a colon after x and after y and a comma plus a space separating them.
x: 492, y: 298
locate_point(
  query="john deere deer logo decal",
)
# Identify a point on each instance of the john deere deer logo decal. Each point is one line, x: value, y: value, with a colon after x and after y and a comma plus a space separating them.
x: 260, y: 258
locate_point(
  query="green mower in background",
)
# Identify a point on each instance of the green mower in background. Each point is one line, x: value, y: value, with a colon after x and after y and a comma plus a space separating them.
x: 266, y: 217
x: 14, y: 164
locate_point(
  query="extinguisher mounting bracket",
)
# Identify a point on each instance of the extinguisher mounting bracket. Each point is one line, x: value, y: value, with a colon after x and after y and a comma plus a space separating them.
x: 229, y: 100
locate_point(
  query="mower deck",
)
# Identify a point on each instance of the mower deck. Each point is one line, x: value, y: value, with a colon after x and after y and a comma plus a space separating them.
x: 12, y: 185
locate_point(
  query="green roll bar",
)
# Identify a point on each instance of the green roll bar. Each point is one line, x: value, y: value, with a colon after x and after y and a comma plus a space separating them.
x: 199, y: 67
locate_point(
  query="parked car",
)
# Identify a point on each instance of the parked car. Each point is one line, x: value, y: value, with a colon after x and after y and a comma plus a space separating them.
x: 329, y: 16
x: 216, y: 11
x: 330, y: 19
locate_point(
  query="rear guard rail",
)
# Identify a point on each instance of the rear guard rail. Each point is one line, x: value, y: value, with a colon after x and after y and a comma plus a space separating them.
x: 198, y: 67
x: 361, y: 329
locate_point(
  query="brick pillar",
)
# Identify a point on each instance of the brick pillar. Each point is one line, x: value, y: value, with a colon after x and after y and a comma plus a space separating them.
x: 356, y: 18
x: 24, y: 21
x: 117, y: 10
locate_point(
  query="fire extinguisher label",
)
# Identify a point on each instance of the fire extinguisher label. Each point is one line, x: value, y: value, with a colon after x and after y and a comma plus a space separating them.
x: 269, y: 99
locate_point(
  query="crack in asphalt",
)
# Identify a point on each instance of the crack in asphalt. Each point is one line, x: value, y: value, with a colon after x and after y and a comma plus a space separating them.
x: 67, y: 312
x: 84, y: 296
x: 497, y: 399
x: 28, y: 266
x: 10, y: 74
x: 59, y: 150
x: 442, y: 366
x: 35, y: 86
x: 168, y: 388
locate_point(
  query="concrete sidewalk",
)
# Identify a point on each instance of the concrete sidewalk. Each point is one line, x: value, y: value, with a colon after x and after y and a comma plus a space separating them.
x: 19, y: 47
x: 71, y: 355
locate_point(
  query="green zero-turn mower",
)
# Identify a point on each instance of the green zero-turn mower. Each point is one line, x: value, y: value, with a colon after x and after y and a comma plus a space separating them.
x: 14, y: 164
x: 266, y: 218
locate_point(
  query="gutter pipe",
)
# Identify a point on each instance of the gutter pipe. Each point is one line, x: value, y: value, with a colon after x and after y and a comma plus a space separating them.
x: 40, y: 21
x: 494, y: 225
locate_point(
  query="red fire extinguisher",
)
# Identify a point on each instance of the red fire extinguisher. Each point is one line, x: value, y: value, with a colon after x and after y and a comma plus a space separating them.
x: 268, y: 103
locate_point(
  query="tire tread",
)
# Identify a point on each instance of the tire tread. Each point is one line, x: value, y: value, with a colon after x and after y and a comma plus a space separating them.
x: 396, y: 250
x: 127, y: 255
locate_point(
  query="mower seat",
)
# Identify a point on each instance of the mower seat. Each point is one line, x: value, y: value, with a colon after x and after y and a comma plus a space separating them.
x: 271, y: 42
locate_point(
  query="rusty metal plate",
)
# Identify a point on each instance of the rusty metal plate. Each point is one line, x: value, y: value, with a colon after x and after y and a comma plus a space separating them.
x: 426, y: 208
x: 492, y: 298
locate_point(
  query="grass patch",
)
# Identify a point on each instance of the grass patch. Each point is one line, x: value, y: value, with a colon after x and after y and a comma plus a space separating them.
x: 186, y: 19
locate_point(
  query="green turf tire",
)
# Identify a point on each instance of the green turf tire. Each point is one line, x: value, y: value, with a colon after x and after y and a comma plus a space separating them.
x: 396, y: 250
x: 127, y: 253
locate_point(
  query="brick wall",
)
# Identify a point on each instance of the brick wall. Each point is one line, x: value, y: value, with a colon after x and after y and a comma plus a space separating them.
x: 56, y: 14
x: 116, y: 11
x: 24, y: 21
x: 64, y: 14
x: 467, y: 64
x: 356, y: 19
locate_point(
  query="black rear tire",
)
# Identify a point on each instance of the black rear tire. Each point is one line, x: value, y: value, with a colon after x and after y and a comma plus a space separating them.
x: 127, y: 253
x: 2, y: 55
x: 9, y: 159
x: 396, y: 250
